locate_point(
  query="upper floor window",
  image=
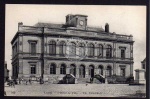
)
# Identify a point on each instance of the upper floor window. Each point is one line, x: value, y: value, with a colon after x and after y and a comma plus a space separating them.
x: 52, y: 68
x: 62, y: 48
x: 122, y: 53
x: 100, y: 50
x: 15, y: 49
x: 52, y: 48
x: 33, y: 69
x: 81, y: 49
x: 72, y: 49
x: 143, y: 66
x: 108, y: 51
x: 91, y: 50
x: 33, y: 48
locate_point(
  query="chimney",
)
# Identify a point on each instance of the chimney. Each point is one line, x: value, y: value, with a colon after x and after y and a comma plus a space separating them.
x: 20, y: 23
x: 106, y: 27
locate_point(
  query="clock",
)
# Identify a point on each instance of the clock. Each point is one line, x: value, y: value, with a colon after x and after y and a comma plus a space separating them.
x: 81, y: 22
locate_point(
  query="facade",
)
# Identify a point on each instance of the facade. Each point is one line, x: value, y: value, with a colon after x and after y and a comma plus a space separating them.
x: 6, y: 72
x: 53, y: 50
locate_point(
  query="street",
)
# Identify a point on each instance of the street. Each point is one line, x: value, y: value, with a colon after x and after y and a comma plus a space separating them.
x: 76, y: 90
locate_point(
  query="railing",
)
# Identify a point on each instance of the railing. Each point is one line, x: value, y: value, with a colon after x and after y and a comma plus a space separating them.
x: 74, y: 32
x: 30, y: 29
x: 38, y: 55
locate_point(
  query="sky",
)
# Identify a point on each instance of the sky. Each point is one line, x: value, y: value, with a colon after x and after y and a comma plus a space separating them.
x: 121, y: 19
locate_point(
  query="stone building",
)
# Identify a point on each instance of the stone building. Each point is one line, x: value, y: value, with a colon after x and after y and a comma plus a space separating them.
x: 53, y: 50
x: 140, y: 74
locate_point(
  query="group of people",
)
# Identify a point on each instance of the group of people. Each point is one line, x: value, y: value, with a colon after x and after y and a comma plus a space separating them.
x: 25, y: 80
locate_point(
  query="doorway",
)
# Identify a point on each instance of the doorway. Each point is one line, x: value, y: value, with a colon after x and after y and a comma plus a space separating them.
x: 91, y: 71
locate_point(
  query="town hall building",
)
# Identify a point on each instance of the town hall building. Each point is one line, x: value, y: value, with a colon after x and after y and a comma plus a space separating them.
x: 52, y: 50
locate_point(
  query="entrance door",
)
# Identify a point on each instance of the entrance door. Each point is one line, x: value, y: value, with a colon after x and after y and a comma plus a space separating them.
x: 91, y: 71
x: 81, y: 71
x: 73, y: 69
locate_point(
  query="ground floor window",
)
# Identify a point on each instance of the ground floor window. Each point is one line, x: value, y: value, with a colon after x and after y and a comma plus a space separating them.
x: 52, y: 69
x: 63, y: 69
x: 33, y: 69
x: 122, y: 72
x: 109, y: 69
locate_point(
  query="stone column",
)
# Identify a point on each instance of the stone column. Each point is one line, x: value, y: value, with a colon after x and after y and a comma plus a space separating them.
x: 131, y: 69
x: 77, y: 71
x: 96, y: 70
x: 95, y: 52
x: 104, y: 51
x: 57, y: 70
x: 86, y: 72
x: 68, y: 70
x: 57, y: 49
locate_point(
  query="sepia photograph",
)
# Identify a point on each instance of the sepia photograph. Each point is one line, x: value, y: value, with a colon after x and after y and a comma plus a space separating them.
x: 75, y: 50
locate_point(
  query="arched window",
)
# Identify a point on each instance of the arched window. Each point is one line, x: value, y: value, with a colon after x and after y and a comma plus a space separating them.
x: 91, y: 71
x: 101, y: 69
x: 109, y: 69
x: 52, y: 68
x: 82, y: 71
x: 52, y: 48
x: 73, y: 69
x: 81, y: 49
x: 108, y: 51
x: 90, y: 50
x: 62, y: 48
x: 72, y: 49
x: 100, y: 50
x: 63, y: 69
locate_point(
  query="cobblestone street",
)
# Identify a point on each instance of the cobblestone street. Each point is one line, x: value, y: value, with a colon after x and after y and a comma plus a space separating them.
x: 76, y: 90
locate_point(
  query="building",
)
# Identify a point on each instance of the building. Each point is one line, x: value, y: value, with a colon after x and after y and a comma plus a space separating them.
x: 140, y: 74
x: 6, y: 72
x: 52, y: 50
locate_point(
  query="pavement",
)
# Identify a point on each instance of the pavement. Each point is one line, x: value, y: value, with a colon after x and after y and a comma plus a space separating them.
x: 76, y: 90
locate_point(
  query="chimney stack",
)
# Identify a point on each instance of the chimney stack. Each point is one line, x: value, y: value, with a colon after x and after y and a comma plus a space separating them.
x: 106, y: 27
x: 20, y: 23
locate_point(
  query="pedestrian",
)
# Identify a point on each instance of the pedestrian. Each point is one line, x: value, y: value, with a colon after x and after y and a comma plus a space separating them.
x: 19, y: 80
x: 30, y: 80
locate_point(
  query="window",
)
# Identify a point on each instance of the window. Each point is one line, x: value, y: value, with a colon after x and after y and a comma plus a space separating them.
x: 108, y: 71
x: 122, y: 72
x: 52, y: 68
x: 101, y: 70
x: 100, y: 51
x: 108, y: 51
x: 52, y: 48
x: 63, y: 69
x: 122, y: 53
x: 33, y: 48
x: 91, y: 50
x: 81, y: 49
x: 72, y: 49
x: 62, y: 48
x: 143, y: 66
x: 33, y: 69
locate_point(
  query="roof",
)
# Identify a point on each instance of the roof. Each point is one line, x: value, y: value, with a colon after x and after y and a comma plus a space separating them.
x: 144, y: 60
x: 52, y: 25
